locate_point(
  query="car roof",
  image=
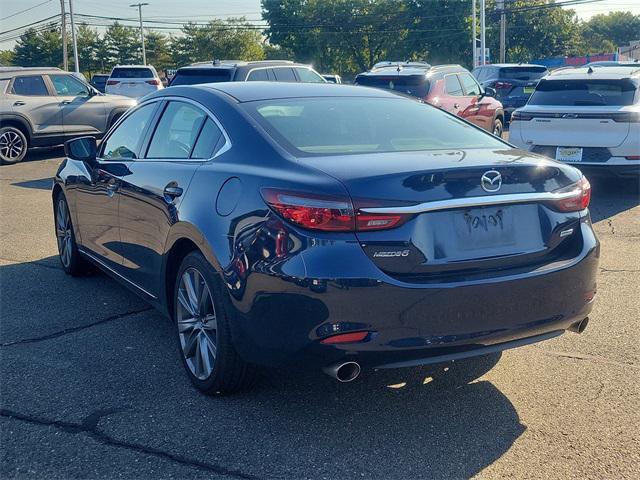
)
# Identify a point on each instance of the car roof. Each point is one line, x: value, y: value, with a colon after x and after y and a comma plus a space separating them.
x: 581, y: 73
x: 410, y: 68
x: 230, y: 64
x: 512, y: 65
x: 253, y: 91
x: 29, y: 69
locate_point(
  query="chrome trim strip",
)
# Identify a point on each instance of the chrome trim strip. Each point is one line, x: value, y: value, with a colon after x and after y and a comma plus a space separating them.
x: 476, y: 202
x: 97, y: 260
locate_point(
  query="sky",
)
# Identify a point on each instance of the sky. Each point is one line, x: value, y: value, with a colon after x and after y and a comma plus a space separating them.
x: 17, y: 13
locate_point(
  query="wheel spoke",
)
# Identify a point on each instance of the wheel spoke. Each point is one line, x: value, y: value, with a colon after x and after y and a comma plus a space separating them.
x: 184, y: 302
x: 186, y: 325
x: 190, y: 343
x: 190, y: 288
x: 203, y: 350
x: 210, y: 322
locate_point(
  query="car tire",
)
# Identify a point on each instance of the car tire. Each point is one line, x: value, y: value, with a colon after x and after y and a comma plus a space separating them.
x: 13, y: 145
x: 203, y: 330
x: 70, y: 258
x: 498, y: 127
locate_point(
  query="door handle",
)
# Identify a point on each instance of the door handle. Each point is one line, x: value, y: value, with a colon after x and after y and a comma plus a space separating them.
x: 456, y: 106
x: 172, y: 191
x: 18, y: 103
x: 66, y: 102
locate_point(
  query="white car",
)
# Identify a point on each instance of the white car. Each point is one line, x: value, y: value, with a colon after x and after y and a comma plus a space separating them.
x: 133, y: 81
x: 589, y: 117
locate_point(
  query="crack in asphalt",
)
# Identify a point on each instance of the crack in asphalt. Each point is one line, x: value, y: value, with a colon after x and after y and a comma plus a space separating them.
x: 89, y: 426
x: 613, y: 270
x: 592, y: 358
x: 67, y: 331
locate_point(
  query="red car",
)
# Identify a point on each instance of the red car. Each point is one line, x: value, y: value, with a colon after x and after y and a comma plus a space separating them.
x: 450, y: 87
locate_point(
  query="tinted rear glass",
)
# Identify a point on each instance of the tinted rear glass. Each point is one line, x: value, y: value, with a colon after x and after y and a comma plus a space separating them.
x: 523, y: 73
x: 124, y: 72
x: 414, y: 85
x: 195, y: 76
x: 342, y: 125
x: 584, y: 93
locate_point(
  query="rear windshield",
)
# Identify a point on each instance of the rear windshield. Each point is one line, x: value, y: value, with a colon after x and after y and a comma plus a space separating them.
x: 414, y: 85
x: 523, y: 73
x: 124, y: 72
x: 343, y: 125
x: 584, y: 93
x: 194, y: 76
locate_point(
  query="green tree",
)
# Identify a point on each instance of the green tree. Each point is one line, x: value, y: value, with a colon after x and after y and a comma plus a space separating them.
x: 158, y: 50
x: 38, y: 49
x: 123, y: 45
x: 88, y: 41
x: 6, y: 57
x: 603, y: 33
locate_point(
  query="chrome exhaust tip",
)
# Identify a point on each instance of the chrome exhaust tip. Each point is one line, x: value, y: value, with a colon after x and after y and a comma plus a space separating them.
x: 343, y: 372
x: 580, y: 326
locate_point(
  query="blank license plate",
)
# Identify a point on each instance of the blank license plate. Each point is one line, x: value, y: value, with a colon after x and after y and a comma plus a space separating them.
x: 480, y: 228
x: 528, y: 89
x: 569, y: 154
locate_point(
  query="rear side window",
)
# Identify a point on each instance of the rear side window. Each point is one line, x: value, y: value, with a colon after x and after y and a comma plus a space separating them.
x: 207, y: 140
x: 414, y: 85
x: 260, y: 75
x: 584, y: 93
x: 523, y: 73
x: 32, y: 85
x: 197, y: 76
x: 176, y: 132
x: 124, y: 72
x: 309, y: 76
x: 452, y: 85
x: 124, y: 142
x: 469, y: 83
x: 284, y: 75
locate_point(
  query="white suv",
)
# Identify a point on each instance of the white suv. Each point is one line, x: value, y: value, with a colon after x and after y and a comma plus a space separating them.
x: 589, y: 117
x: 133, y: 81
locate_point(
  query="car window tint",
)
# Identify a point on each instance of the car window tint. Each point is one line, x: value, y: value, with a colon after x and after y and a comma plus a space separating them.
x: 207, y: 140
x: 258, y: 75
x: 284, y: 75
x: 125, y: 141
x: 124, y: 72
x: 193, y: 76
x: 176, y: 132
x: 66, y: 85
x: 309, y: 76
x: 584, y: 92
x: 30, y: 85
x: 470, y: 85
x: 452, y: 85
x: 480, y: 73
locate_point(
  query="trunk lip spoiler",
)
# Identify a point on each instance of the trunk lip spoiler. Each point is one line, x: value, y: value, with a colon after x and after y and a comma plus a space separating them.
x: 470, y: 202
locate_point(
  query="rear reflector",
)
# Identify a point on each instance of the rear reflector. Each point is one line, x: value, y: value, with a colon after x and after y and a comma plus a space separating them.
x: 327, y: 213
x: 350, y: 337
x: 112, y: 82
x: 501, y: 85
x: 632, y: 157
x: 577, y: 202
x: 153, y: 82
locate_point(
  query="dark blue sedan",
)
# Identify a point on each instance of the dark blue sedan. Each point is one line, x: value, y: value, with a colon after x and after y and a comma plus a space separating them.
x: 331, y: 226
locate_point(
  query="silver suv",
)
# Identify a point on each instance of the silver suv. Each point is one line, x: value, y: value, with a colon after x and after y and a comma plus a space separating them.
x: 41, y: 107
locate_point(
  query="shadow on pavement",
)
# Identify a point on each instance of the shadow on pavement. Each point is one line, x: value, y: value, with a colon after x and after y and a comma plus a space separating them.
x: 40, y: 184
x: 611, y: 196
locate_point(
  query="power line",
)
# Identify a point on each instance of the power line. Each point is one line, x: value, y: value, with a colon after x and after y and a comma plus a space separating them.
x: 25, y: 10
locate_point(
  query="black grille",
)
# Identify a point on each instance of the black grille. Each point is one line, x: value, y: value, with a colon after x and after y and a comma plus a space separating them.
x: 589, y: 154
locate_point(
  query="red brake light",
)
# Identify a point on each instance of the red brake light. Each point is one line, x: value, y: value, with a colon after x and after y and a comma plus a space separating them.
x: 327, y: 212
x: 153, y: 82
x: 500, y: 85
x: 350, y: 337
x: 112, y: 82
x: 579, y: 201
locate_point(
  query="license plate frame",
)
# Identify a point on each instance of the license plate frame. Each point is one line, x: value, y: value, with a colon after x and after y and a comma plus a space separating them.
x: 569, y: 154
x: 528, y: 90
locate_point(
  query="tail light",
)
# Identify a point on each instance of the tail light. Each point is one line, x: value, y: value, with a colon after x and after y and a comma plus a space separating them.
x: 112, y: 82
x: 351, y: 337
x: 579, y: 201
x: 502, y: 85
x: 327, y: 212
x: 518, y: 116
x: 153, y: 82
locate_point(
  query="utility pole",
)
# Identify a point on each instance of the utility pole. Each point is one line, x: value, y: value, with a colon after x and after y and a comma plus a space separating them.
x: 73, y: 38
x: 483, y: 44
x: 473, y: 34
x: 144, y: 54
x: 503, y: 29
x: 65, y: 55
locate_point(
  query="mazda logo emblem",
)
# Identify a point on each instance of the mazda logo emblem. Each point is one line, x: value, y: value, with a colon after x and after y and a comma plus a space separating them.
x: 491, y: 181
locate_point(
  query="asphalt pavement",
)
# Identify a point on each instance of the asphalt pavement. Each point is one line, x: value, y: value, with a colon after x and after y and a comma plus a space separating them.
x: 91, y: 384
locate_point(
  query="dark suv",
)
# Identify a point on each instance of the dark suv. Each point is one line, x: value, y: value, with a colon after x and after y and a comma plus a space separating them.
x: 238, y: 71
x: 513, y: 82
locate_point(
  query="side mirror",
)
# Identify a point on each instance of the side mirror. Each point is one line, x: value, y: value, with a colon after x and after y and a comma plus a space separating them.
x: 84, y: 149
x: 489, y: 92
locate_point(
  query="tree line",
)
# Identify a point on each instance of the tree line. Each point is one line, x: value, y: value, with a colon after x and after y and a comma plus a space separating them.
x: 341, y: 36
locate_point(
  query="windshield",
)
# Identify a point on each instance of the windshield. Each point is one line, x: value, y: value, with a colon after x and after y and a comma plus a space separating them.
x: 523, y: 73
x: 195, y: 77
x: 120, y: 72
x: 414, y: 85
x: 584, y: 93
x: 342, y: 125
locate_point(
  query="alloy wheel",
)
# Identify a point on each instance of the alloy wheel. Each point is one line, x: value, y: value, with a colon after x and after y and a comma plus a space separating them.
x: 497, y: 129
x: 11, y: 146
x: 63, y: 233
x: 197, y: 323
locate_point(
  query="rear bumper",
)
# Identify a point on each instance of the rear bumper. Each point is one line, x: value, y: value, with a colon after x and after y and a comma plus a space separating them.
x: 281, y: 316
